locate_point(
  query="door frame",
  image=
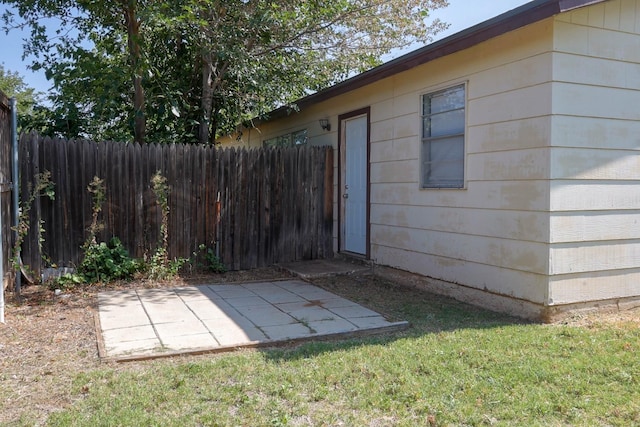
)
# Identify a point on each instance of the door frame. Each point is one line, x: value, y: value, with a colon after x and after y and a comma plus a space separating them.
x: 366, y: 111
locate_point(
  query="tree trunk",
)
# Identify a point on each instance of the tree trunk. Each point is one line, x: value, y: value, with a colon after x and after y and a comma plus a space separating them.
x: 206, y: 102
x: 133, y: 43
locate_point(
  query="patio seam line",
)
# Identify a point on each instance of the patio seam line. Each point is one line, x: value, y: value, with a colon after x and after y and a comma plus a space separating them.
x: 328, y: 309
x: 153, y: 325
x: 239, y: 311
x: 198, y: 317
x: 297, y: 321
x: 344, y: 318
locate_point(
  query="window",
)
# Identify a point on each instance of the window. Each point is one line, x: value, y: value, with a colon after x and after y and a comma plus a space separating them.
x: 299, y: 137
x: 443, y: 127
x: 287, y: 140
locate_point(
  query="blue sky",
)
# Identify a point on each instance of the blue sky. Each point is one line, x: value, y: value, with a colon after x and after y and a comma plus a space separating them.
x: 460, y: 14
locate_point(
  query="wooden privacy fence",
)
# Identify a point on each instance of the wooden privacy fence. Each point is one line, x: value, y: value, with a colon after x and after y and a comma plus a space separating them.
x: 275, y: 204
x: 5, y: 188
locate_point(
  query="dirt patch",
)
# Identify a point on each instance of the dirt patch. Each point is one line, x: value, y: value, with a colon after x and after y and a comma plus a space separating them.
x: 595, y: 319
x: 48, y: 340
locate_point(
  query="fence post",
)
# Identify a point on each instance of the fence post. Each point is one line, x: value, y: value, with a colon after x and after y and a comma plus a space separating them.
x: 1, y: 262
x: 16, y: 182
x: 5, y: 163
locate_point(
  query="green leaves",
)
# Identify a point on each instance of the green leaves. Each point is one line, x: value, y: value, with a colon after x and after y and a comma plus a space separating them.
x: 201, y: 67
x: 106, y: 262
x: 13, y: 85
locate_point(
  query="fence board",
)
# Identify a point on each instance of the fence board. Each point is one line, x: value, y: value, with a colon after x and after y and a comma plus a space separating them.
x: 138, y: 200
x: 6, y: 242
x: 76, y: 191
x: 26, y: 152
x: 275, y: 204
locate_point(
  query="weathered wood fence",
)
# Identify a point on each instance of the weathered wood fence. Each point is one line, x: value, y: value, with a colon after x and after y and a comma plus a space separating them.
x: 275, y: 204
x: 5, y: 188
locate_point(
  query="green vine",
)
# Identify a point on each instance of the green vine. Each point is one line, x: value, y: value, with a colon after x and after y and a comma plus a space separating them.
x: 43, y: 187
x: 159, y: 266
x: 102, y: 262
x: 97, y: 188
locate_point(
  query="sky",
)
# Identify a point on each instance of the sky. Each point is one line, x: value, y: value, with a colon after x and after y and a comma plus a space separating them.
x: 460, y: 14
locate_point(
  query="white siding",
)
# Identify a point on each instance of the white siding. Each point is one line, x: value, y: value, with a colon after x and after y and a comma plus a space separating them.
x: 595, y: 158
x: 480, y: 276
x: 550, y: 212
x: 595, y: 286
x: 493, y: 235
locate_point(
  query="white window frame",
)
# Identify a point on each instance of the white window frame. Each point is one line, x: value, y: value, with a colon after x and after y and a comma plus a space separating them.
x: 425, y: 140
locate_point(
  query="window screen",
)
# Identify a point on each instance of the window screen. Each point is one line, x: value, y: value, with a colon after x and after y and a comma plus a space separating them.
x: 443, y: 127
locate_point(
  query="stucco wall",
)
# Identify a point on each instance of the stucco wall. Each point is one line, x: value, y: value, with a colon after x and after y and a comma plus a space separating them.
x: 595, y: 159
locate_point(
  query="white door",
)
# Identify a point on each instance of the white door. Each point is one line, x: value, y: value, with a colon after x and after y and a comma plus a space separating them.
x: 354, y: 191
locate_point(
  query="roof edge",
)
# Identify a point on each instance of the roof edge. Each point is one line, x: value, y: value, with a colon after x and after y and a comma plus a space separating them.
x: 519, y: 17
x: 568, y: 5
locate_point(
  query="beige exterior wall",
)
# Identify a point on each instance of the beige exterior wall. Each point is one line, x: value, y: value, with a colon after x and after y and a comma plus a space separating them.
x: 595, y: 158
x: 550, y: 212
x: 492, y: 235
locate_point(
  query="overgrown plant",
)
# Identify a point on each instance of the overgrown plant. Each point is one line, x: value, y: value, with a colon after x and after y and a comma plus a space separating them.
x: 214, y: 263
x: 205, y: 258
x: 160, y: 266
x: 98, y: 190
x: 106, y: 262
x: 43, y: 187
x: 102, y: 262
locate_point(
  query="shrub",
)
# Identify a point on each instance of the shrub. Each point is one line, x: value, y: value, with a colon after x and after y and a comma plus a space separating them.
x: 105, y: 262
x: 213, y: 262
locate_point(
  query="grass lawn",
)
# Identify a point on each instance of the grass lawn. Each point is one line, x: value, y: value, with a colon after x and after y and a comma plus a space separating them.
x: 456, y: 365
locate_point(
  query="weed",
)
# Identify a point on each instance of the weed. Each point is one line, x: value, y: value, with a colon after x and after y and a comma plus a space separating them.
x: 43, y: 187
x: 211, y: 261
x: 97, y: 189
x: 159, y: 266
x: 102, y: 262
x: 106, y: 262
x: 67, y: 281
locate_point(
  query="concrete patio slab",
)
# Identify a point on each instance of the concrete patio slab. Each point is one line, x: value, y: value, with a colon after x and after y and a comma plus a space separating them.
x: 111, y: 316
x: 325, y: 267
x: 332, y: 326
x: 148, y: 323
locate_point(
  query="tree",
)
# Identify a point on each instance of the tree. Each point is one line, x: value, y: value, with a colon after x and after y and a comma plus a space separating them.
x: 32, y: 114
x: 13, y: 85
x: 191, y: 70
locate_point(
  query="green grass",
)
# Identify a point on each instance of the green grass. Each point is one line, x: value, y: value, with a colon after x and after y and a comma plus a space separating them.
x: 456, y: 365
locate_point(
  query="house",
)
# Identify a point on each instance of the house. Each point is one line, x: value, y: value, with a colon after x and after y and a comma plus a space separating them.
x: 503, y: 161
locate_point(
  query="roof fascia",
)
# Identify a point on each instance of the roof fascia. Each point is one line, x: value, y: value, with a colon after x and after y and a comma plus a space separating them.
x: 526, y: 14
